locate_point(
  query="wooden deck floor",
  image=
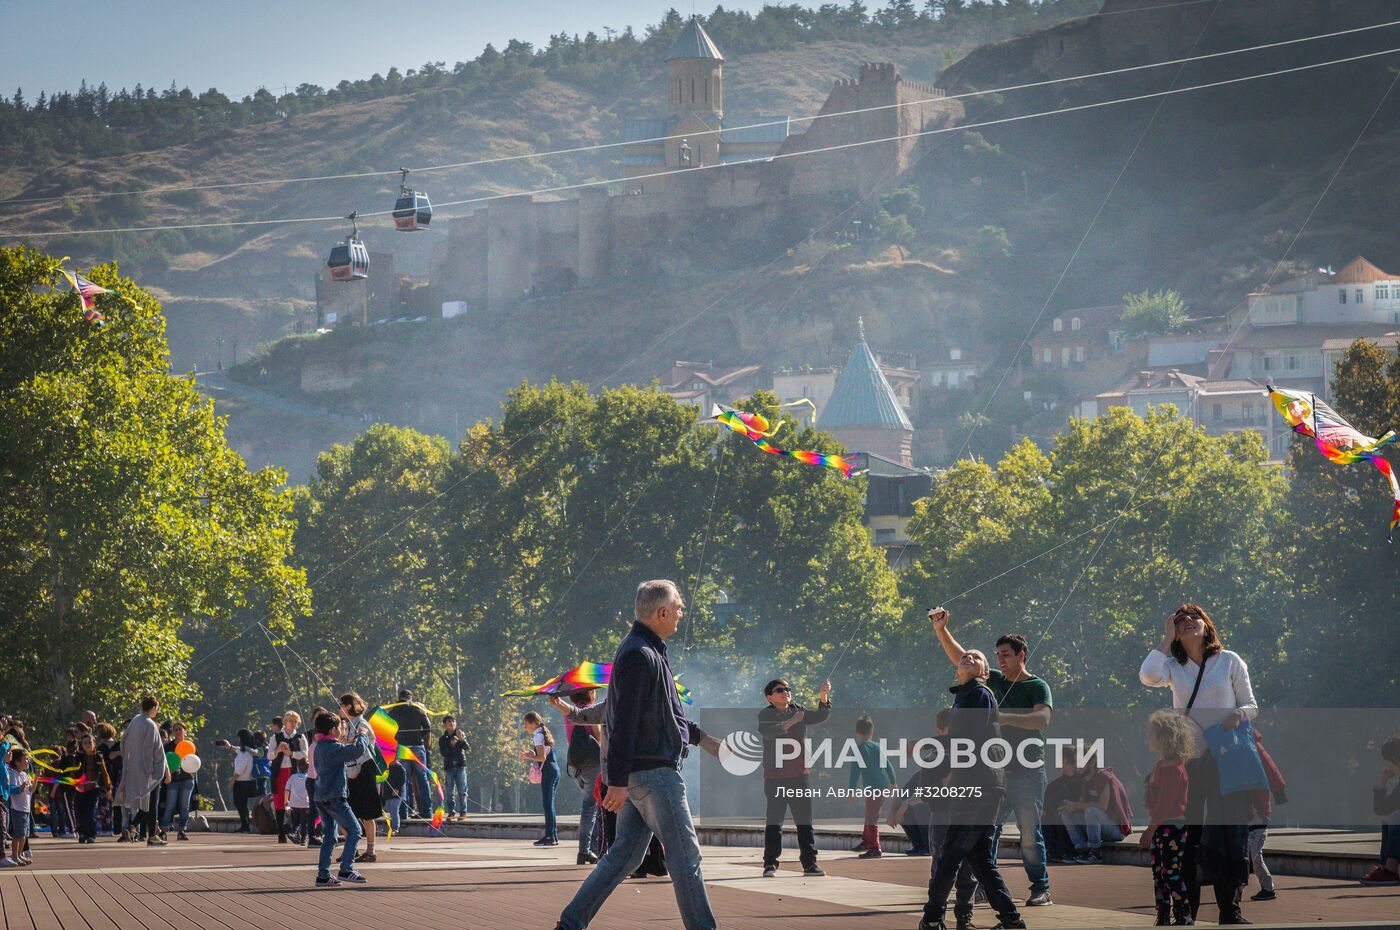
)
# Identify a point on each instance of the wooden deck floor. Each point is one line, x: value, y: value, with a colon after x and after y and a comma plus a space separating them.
x: 221, y: 882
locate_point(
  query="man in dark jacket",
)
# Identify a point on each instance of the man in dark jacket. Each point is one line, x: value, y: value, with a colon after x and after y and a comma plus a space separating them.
x: 648, y: 736
x: 973, y: 812
x: 785, y: 784
x: 414, y: 727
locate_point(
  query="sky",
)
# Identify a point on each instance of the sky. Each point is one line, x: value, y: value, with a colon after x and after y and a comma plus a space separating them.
x: 239, y: 46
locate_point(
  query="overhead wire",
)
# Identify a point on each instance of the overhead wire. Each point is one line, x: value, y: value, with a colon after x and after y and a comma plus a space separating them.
x: 1331, y: 181
x: 603, y: 146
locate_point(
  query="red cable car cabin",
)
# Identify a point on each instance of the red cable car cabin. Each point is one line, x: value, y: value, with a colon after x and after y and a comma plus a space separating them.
x: 349, y: 261
x: 412, y: 211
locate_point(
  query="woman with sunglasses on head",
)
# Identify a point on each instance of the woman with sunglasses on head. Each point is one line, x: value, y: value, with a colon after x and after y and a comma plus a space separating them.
x: 1210, y: 684
x: 785, y: 783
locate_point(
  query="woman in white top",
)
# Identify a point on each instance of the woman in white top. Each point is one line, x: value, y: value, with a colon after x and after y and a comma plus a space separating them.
x: 1210, y: 684
x: 245, y: 776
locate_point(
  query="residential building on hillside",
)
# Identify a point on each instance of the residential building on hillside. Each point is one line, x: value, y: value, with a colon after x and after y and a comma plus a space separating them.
x: 1360, y: 293
x: 1225, y: 406
x: 956, y: 368
x: 865, y: 413
x: 701, y: 385
x: 892, y: 490
x: 1289, y: 356
x: 1077, y: 337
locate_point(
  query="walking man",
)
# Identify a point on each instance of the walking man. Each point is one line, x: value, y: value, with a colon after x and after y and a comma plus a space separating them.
x: 648, y: 737
x: 1024, y: 704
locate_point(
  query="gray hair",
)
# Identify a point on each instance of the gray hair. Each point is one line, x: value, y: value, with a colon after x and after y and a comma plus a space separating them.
x: 653, y: 595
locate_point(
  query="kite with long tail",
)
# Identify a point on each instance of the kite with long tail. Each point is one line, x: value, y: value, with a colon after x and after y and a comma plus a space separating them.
x: 1336, y: 438
x: 587, y: 676
x: 757, y: 430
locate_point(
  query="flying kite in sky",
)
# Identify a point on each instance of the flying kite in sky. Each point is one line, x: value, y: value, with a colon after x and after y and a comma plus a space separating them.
x: 585, y: 677
x: 88, y: 294
x: 757, y: 429
x: 1336, y: 438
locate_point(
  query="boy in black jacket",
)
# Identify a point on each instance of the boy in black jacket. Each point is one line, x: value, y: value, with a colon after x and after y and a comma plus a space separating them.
x: 785, y: 783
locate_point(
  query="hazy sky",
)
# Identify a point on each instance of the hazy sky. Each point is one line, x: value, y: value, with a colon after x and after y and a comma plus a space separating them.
x: 239, y: 45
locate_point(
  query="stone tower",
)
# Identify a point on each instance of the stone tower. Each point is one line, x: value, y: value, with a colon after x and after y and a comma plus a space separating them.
x: 864, y: 413
x: 696, y: 94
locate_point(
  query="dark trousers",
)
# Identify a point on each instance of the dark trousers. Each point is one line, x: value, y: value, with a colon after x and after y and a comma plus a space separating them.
x: 87, y: 813
x: 917, y: 834
x: 1217, y: 839
x: 243, y: 792
x: 971, y: 844
x: 778, y: 806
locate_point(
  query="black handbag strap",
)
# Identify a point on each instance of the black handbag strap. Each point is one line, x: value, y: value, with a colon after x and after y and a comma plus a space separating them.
x: 1199, y: 675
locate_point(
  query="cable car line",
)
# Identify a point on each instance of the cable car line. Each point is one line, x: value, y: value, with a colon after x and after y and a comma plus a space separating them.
x: 500, y: 159
x: 780, y: 156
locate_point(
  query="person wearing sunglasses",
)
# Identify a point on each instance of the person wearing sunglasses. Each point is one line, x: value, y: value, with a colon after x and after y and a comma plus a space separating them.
x: 785, y: 783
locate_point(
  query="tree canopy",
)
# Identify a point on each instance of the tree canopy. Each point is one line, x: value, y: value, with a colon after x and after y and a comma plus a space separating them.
x: 126, y: 518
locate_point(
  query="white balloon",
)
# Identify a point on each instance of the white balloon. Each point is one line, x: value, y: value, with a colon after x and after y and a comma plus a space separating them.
x: 190, y: 764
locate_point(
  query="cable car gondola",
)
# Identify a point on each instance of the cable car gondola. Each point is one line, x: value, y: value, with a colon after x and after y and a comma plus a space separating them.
x: 412, y: 210
x: 349, y: 260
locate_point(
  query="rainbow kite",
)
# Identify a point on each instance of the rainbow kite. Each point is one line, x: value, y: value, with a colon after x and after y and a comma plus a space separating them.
x: 1336, y: 438
x: 87, y: 296
x: 386, y: 739
x: 586, y: 677
x: 756, y: 428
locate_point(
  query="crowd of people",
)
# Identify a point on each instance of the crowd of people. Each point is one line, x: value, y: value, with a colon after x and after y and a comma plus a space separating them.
x: 327, y: 784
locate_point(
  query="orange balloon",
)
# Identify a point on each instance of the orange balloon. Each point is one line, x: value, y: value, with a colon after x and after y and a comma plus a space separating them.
x: 184, y: 748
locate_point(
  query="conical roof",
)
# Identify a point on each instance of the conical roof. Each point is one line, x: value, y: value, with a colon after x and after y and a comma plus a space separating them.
x: 693, y: 42
x: 863, y: 396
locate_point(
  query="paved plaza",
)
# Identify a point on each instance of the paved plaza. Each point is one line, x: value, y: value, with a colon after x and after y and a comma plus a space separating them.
x: 232, y: 882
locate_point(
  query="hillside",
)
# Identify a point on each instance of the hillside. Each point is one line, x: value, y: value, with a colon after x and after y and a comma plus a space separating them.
x: 1210, y: 202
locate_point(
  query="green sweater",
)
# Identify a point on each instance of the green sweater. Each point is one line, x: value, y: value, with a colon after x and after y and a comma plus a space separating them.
x: 871, y: 774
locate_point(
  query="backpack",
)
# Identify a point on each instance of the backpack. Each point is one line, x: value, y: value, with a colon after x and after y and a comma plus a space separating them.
x: 584, y: 751
x: 261, y: 767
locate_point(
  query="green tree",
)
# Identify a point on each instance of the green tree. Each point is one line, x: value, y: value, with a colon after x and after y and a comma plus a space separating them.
x: 1344, y: 578
x: 127, y: 522
x: 1152, y: 313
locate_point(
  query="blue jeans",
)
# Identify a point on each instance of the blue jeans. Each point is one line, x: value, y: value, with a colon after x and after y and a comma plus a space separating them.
x: 1390, y: 838
x: 967, y: 857
x: 549, y: 784
x: 416, y: 777
x: 588, y: 811
x: 177, y: 798
x: 1025, y: 797
x: 1091, y: 828
x: 455, y: 788
x: 337, y: 811
x: 391, y: 810
x: 656, y: 804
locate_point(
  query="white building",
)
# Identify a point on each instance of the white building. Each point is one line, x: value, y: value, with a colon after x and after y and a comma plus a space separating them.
x: 1359, y: 293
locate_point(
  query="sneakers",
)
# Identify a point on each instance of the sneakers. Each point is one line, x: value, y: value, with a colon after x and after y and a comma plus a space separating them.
x: 1263, y: 894
x: 182, y: 836
x: 965, y: 923
x: 8, y: 863
x: 313, y: 843
x: 1237, y: 918
x: 870, y: 854
x: 1181, y: 914
x: 326, y: 881
x: 1010, y: 925
x: 769, y: 871
x: 813, y: 871
x: 547, y: 841
x: 156, y: 841
x: 1039, y: 900
x: 1380, y: 875
x: 366, y: 856
x: 352, y: 877
x: 281, y: 838
x: 1164, y: 916
x: 1088, y: 857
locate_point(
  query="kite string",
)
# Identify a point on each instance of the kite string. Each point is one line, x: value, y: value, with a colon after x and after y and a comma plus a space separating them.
x: 1245, y: 318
